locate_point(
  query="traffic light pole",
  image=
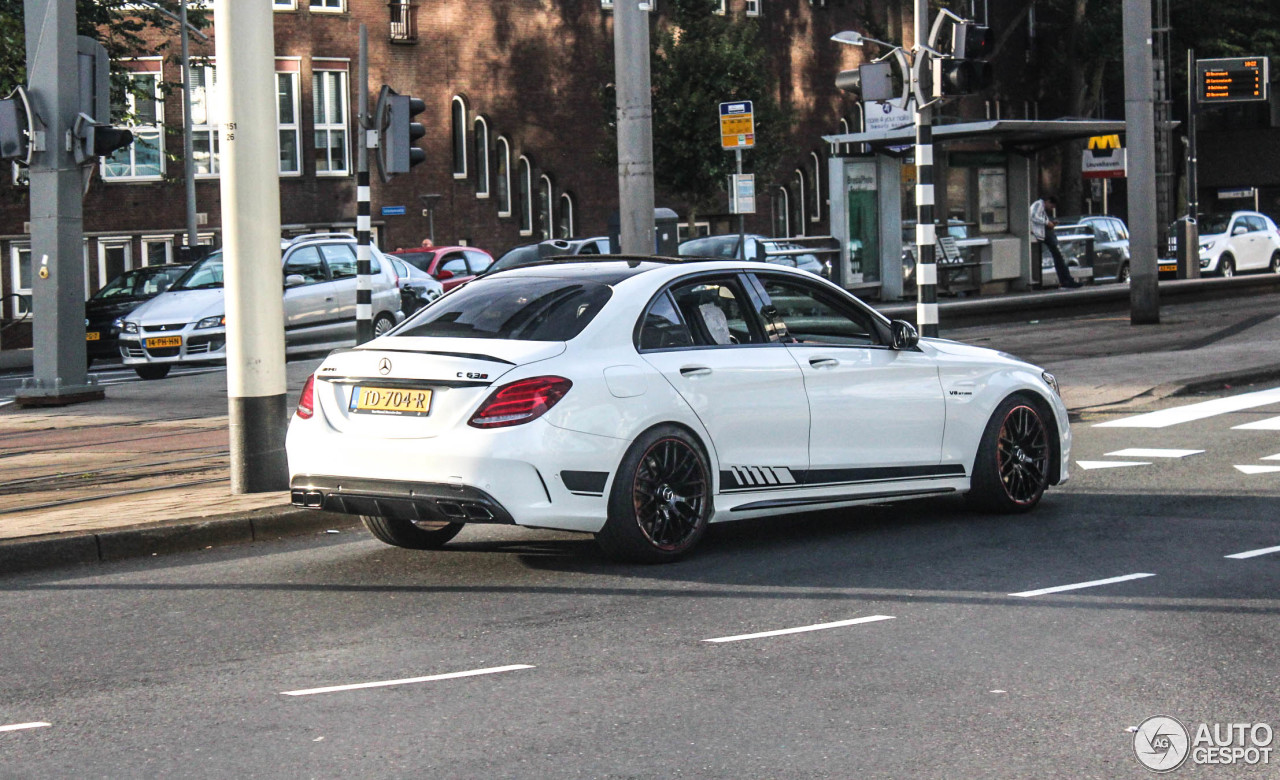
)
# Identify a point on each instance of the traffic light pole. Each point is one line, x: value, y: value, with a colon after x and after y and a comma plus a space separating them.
x: 364, y: 255
x: 1140, y: 128
x: 60, y: 374
x: 926, y: 233
x: 635, y: 127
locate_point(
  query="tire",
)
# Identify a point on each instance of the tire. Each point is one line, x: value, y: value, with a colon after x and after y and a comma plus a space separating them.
x: 382, y: 323
x: 1275, y: 263
x: 1226, y: 266
x: 1122, y: 275
x: 410, y: 535
x: 152, y: 370
x: 1011, y: 470
x: 661, y: 498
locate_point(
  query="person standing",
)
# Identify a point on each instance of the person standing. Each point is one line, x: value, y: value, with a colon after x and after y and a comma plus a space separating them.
x: 1042, y: 229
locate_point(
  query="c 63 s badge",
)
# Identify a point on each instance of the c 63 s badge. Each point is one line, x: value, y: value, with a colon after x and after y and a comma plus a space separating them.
x: 472, y: 375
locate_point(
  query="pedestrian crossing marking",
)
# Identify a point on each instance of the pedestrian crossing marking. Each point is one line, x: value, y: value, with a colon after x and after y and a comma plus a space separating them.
x: 1258, y: 469
x: 1198, y: 411
x: 1269, y: 424
x: 1089, y: 465
x: 1139, y: 452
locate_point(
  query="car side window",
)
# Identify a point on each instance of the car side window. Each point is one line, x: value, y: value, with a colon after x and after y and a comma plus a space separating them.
x: 716, y: 311
x: 807, y: 315
x: 1255, y: 224
x: 305, y: 262
x: 479, y: 262
x: 589, y: 248
x: 455, y: 263
x: 340, y: 259
x: 662, y: 327
x: 1120, y: 230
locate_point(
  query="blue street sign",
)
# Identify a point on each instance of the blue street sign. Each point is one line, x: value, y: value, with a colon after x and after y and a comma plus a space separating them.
x: 393, y: 211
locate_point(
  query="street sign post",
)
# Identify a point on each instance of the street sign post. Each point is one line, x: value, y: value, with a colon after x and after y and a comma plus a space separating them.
x: 1232, y: 80
x: 737, y: 125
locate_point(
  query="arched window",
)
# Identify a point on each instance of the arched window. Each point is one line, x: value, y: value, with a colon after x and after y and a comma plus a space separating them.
x: 544, y: 207
x: 502, y: 166
x: 781, y: 212
x: 815, y: 173
x: 844, y: 126
x: 797, y: 208
x: 524, y: 180
x: 564, y: 228
x: 459, y: 113
x: 482, y: 157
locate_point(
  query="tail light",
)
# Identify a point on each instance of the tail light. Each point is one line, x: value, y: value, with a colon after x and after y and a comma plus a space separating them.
x: 520, y: 402
x: 306, y: 401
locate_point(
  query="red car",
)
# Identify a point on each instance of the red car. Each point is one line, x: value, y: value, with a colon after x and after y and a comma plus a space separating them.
x: 450, y: 265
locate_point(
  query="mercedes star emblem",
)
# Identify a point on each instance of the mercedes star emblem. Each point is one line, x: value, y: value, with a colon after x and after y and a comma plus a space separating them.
x: 384, y: 366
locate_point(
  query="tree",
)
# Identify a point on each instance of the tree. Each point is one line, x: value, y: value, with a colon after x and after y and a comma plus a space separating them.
x: 701, y: 60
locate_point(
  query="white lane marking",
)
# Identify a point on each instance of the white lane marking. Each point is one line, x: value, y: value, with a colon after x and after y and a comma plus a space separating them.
x: 1269, y: 424
x: 6, y: 402
x: 1089, y: 465
x: 407, y: 681
x: 1138, y: 452
x: 1253, y: 553
x: 1181, y: 414
x: 1258, y: 469
x: 1272, y: 457
x: 20, y: 726
x: 1079, y: 585
x: 802, y: 629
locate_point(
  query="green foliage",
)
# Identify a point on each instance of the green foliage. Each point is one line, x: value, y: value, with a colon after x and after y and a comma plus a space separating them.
x: 701, y: 60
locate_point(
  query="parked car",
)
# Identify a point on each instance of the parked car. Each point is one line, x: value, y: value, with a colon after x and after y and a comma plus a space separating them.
x: 417, y: 287
x: 187, y: 324
x: 554, y: 247
x: 1239, y: 241
x: 1110, y: 244
x: 450, y: 265
x: 117, y: 298
x: 626, y: 398
x: 759, y: 248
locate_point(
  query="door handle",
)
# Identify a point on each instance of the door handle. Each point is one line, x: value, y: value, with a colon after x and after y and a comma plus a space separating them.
x: 694, y: 371
x: 823, y: 362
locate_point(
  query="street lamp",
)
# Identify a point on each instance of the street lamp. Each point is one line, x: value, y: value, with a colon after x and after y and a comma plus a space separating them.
x: 855, y: 38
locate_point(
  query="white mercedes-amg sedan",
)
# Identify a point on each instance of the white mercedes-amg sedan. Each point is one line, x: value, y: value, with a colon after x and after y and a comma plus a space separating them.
x: 640, y: 399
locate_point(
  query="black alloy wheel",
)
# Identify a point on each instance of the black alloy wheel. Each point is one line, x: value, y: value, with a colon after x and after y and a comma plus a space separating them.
x: 1011, y: 471
x: 1227, y: 266
x: 1122, y: 276
x: 661, y: 498
x: 1275, y: 263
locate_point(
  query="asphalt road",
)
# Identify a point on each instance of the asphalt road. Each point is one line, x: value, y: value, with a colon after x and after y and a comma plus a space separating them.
x: 203, y: 665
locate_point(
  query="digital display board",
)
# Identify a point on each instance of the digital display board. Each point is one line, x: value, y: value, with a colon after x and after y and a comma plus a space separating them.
x: 1234, y: 80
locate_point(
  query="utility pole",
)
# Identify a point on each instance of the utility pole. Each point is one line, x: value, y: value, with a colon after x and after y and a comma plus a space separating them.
x: 57, y: 212
x: 1139, y: 117
x: 250, y: 187
x: 635, y: 128
x: 364, y: 220
x: 926, y: 233
x: 188, y: 152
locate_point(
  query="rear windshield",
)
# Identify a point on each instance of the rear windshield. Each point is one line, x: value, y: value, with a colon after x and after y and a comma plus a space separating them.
x: 521, y: 255
x: 1214, y: 223
x: 203, y: 275
x: 518, y: 308
x: 715, y: 246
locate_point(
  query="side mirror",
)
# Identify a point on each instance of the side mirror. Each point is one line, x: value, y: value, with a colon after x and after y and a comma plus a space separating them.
x: 443, y: 275
x: 294, y: 280
x: 1239, y: 230
x: 904, y: 333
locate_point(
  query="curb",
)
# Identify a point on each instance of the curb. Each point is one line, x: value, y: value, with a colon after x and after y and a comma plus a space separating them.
x: 138, y: 541
x: 1208, y: 383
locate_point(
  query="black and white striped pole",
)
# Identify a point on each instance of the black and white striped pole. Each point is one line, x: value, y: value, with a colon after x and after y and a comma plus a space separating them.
x: 364, y: 254
x: 926, y: 233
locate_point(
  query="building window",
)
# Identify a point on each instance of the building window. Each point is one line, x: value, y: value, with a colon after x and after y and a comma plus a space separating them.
x: 700, y: 229
x: 459, y: 113
x: 115, y: 256
x: 781, y: 202
x: 606, y: 5
x: 721, y: 7
x: 799, y: 205
x: 524, y: 176
x: 404, y: 28
x: 502, y: 164
x: 544, y: 208
x: 753, y: 7
x: 284, y: 5
x: 327, y: 6
x: 204, y: 120
x: 564, y: 228
x: 482, y: 157
x: 157, y: 251
x: 329, y: 100
x: 144, y: 158
x: 288, y: 129
x: 815, y: 201
x: 19, y: 279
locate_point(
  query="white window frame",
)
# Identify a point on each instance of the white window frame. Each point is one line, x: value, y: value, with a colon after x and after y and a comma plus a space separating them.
x: 154, y: 131
x: 786, y: 211
x: 284, y: 5
x: 753, y: 7
x: 816, y: 163
x: 606, y: 5
x: 206, y: 97
x: 503, y: 152
x: 458, y: 135
x: 722, y: 8
x: 327, y: 6
x: 483, y: 174
x: 801, y: 196
x: 294, y: 127
x: 524, y: 172
x: 318, y: 77
x: 701, y: 228
x: 566, y: 210
x: 149, y: 243
x: 16, y: 250
x: 547, y: 198
x: 113, y: 242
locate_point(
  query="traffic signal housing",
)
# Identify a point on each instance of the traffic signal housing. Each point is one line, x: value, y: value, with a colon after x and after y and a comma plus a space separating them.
x: 872, y: 81
x: 964, y: 70
x: 397, y: 132
x: 97, y: 139
x: 13, y: 139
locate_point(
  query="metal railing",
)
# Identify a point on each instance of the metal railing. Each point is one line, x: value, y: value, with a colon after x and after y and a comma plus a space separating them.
x: 404, y: 27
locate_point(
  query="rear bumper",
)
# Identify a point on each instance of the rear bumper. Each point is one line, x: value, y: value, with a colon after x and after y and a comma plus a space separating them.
x: 416, y: 501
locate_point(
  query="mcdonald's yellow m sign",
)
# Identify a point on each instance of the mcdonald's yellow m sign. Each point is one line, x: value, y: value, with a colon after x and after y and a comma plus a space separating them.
x: 1104, y: 142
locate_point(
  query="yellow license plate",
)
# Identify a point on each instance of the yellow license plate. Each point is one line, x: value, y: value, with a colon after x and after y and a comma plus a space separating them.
x: 391, y: 400
x: 1169, y: 268
x: 164, y: 341
x: 92, y: 335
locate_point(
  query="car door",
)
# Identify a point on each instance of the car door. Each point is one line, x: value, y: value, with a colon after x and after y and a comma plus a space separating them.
x: 703, y: 335
x: 1238, y: 241
x: 340, y: 321
x: 456, y: 264
x: 876, y: 413
x: 1105, y: 250
x: 1259, y: 245
x: 307, y: 305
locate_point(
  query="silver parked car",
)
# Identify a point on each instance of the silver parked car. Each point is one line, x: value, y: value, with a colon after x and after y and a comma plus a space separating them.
x: 187, y: 324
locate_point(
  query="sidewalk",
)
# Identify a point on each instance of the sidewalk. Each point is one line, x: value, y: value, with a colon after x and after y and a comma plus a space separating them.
x: 145, y: 471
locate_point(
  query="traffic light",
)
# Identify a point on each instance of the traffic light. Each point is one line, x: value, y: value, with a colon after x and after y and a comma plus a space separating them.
x: 13, y: 141
x: 96, y: 139
x: 964, y: 71
x: 397, y: 132
x: 873, y: 81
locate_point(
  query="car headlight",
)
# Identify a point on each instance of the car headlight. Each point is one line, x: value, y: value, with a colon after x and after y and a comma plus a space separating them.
x: 1051, y: 381
x: 126, y: 326
x: 1205, y: 246
x: 212, y: 322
